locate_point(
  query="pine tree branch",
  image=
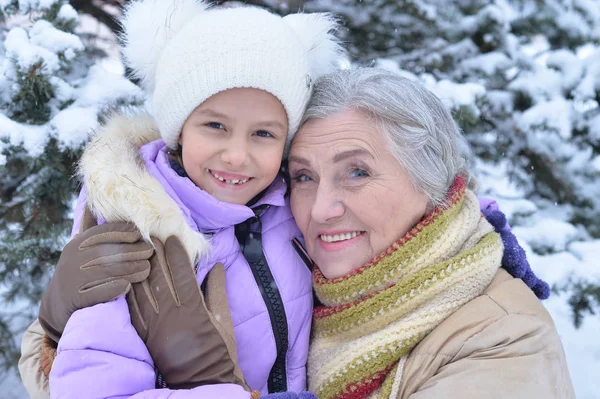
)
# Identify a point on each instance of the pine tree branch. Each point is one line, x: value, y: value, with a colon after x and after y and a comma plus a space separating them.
x: 259, y: 3
x: 101, y: 15
x: 104, y: 17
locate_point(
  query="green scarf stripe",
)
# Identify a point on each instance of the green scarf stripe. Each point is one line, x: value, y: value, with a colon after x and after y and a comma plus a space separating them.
x: 356, y: 315
x: 386, y: 388
x: 359, y: 312
x: 358, y: 370
x: 336, y: 293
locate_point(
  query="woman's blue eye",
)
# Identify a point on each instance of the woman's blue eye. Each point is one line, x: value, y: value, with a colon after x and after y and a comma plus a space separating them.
x: 263, y: 133
x: 301, y: 178
x: 215, y: 125
x: 359, y: 173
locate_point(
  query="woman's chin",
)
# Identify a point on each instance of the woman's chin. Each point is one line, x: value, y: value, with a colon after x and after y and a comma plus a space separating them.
x: 339, y: 267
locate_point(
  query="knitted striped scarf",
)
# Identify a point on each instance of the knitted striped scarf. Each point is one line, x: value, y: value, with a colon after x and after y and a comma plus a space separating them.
x: 373, y: 317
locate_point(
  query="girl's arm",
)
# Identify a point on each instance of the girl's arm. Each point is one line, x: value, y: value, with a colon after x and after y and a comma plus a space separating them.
x: 100, y: 355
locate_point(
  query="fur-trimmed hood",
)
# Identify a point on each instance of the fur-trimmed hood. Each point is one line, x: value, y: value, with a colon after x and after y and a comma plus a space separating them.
x: 119, y: 187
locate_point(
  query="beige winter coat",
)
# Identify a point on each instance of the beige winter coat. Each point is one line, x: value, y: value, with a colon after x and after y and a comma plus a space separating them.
x: 35, y: 381
x: 502, y: 344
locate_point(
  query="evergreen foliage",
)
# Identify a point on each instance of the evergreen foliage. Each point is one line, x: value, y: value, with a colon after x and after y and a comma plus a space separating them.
x: 47, y: 87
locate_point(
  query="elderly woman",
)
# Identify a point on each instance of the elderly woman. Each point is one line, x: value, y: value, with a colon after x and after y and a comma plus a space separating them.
x: 413, y: 301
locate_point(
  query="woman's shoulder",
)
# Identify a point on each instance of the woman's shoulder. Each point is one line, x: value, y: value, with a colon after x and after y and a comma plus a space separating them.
x: 506, y: 330
x: 506, y: 312
x: 509, y: 295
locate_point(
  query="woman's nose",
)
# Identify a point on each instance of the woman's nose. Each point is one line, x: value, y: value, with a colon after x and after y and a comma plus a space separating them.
x: 327, y: 207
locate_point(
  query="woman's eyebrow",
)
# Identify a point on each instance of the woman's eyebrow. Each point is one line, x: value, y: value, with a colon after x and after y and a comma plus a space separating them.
x: 299, y: 160
x: 350, y: 153
x: 272, y: 124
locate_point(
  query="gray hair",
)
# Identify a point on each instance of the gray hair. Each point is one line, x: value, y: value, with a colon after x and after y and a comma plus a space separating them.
x: 420, y: 131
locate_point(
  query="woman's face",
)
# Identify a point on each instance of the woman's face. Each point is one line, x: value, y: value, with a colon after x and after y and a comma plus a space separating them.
x: 232, y: 143
x: 350, y: 196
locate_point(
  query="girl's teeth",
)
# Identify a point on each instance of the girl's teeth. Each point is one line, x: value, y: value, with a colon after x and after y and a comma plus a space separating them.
x: 227, y: 181
x: 340, y: 237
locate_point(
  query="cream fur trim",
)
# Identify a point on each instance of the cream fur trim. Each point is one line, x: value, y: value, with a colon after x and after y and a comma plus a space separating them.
x: 119, y: 187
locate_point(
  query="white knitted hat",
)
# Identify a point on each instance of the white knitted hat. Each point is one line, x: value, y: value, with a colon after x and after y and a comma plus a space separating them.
x: 184, y: 52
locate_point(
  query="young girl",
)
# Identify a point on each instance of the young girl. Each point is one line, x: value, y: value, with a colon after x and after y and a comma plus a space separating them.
x: 228, y: 86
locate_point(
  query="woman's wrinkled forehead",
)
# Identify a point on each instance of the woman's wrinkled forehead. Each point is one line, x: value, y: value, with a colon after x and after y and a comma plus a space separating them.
x: 344, y: 134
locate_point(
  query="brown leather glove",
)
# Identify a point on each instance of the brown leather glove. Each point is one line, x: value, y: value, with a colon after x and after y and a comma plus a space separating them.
x: 168, y: 311
x: 96, y: 266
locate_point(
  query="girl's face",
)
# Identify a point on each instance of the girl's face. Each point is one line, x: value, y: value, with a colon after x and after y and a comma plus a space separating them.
x: 232, y: 143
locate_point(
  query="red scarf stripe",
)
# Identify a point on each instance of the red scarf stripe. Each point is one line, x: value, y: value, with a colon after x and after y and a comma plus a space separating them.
x: 366, y: 386
x: 454, y: 195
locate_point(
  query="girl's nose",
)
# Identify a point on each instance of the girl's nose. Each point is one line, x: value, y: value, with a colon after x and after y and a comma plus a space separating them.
x: 236, y: 154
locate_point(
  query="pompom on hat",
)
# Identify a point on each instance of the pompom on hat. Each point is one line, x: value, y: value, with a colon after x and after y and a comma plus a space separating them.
x: 184, y: 51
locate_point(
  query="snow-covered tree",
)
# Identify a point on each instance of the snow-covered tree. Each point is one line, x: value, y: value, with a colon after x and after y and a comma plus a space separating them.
x: 51, y: 96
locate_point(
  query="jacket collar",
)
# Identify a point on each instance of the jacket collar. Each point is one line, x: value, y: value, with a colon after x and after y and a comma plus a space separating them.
x: 121, y: 188
x: 208, y: 213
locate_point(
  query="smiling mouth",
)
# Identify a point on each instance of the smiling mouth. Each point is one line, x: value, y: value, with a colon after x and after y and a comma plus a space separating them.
x: 340, y: 237
x: 233, y: 182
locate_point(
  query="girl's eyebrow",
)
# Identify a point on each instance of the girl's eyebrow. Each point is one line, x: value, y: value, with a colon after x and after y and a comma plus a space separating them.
x: 215, y: 114
x: 211, y: 113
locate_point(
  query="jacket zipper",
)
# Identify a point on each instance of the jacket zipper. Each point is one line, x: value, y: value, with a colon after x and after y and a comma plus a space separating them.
x: 249, y: 235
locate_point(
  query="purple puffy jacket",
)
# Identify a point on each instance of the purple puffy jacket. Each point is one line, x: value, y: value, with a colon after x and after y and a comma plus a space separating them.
x: 100, y: 354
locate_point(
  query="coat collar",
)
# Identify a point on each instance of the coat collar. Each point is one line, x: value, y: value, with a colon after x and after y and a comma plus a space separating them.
x: 208, y: 213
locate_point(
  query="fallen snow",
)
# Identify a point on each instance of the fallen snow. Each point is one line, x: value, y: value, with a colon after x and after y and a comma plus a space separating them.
x: 26, y: 54
x: 43, y: 34
x: 547, y: 235
x: 67, y: 13
x: 545, y: 229
x: 73, y: 125
x: 33, y: 138
x: 456, y: 94
x: 551, y: 116
x: 489, y: 63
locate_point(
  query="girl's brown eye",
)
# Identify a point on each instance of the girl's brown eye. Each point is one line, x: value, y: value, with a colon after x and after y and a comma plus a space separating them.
x: 215, y: 125
x: 264, y: 133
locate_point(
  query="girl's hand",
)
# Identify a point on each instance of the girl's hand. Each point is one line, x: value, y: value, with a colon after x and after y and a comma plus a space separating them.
x: 190, y: 347
x: 96, y: 266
